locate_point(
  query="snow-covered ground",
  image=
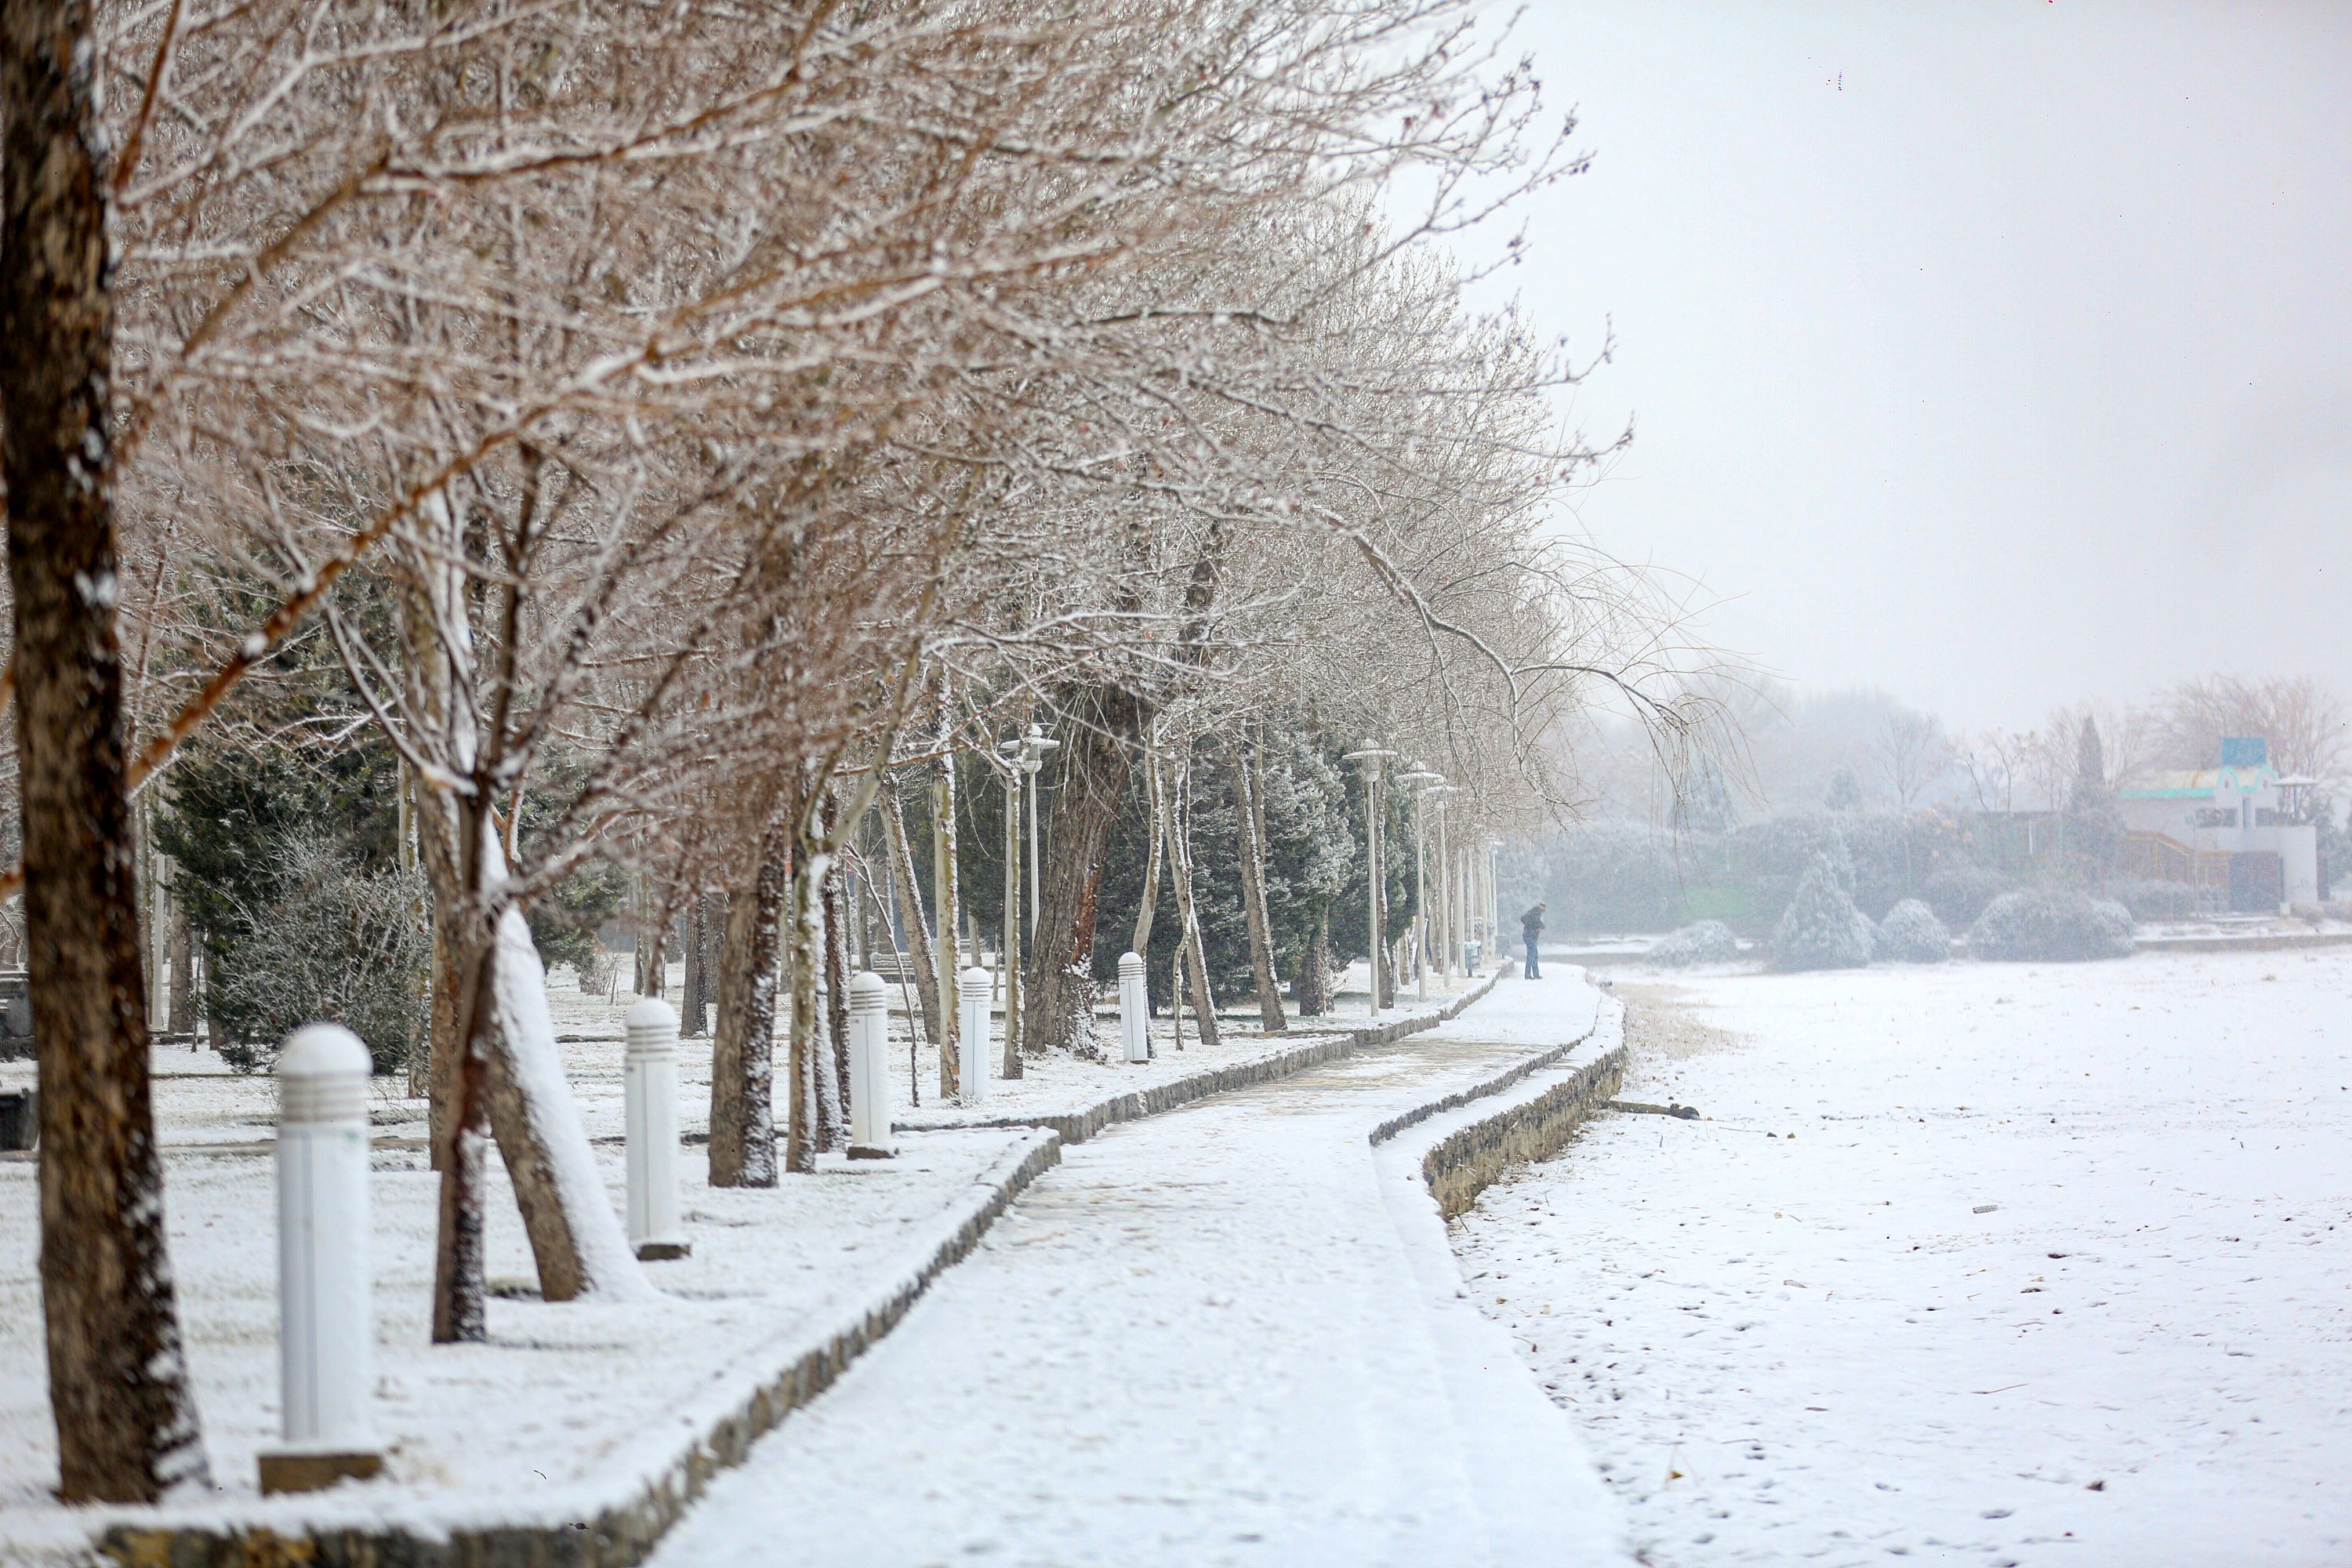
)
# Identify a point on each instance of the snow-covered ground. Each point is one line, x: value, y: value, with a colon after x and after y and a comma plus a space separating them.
x: 557, y: 1391
x: 1204, y: 1339
x: 562, y: 1391
x: 1976, y: 1263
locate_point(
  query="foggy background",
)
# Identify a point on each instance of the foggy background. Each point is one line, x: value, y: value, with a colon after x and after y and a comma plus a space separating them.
x: 1997, y: 355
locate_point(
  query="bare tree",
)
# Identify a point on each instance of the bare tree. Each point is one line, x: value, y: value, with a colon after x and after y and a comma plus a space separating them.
x: 126, y: 1421
x: 1913, y: 755
x: 2305, y: 723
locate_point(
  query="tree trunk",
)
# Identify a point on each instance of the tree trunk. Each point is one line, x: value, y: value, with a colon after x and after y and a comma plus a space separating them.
x: 126, y: 1420
x: 693, y: 1014
x: 944, y: 902
x: 742, y: 1056
x: 1009, y: 959
x: 802, y: 1127
x: 834, y: 1074
x: 1180, y: 855
x: 183, y: 967
x: 1156, y: 804
x: 509, y: 1084
x: 917, y: 931
x: 443, y: 1047
x: 1260, y: 935
x: 459, y: 1315
x: 1105, y: 721
x: 653, y: 942
x: 1312, y: 984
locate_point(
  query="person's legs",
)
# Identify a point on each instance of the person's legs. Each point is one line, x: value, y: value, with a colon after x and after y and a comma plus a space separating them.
x: 1534, y: 972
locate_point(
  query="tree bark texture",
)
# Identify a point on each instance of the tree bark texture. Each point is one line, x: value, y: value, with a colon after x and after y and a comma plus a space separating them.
x: 458, y: 1315
x: 485, y: 1094
x: 802, y: 1126
x: 945, y: 903
x: 1156, y: 805
x: 442, y: 1045
x: 693, y: 1009
x: 1009, y: 959
x: 833, y: 905
x: 914, y: 933
x: 653, y: 944
x: 1105, y: 725
x: 126, y: 1420
x: 1310, y: 985
x: 184, y: 965
x: 743, y: 1045
x: 1180, y: 855
x: 1261, y: 937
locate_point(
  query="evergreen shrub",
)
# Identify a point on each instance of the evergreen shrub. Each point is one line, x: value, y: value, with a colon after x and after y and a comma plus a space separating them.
x: 1820, y: 928
x: 1708, y: 942
x: 2052, y: 923
x: 1912, y: 934
x: 334, y: 943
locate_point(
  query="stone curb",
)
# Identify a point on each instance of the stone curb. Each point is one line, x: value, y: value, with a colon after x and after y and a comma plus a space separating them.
x: 1465, y: 1161
x: 655, y: 1494
x: 1076, y: 1127
x: 2277, y: 941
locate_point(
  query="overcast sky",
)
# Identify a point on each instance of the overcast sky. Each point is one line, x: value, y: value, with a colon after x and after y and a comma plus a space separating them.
x: 1999, y: 354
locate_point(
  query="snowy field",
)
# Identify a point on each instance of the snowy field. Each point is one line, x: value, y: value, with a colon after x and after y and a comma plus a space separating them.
x: 1982, y: 1263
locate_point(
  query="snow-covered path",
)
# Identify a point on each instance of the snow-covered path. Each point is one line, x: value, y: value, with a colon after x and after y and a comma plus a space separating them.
x: 1203, y: 1339
x: 1984, y: 1264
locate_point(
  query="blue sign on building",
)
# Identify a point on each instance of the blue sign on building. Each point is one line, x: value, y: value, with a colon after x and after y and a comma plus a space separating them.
x: 2245, y: 751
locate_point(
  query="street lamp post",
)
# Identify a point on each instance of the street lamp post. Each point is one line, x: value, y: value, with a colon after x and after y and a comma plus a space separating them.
x: 1010, y: 961
x: 1368, y: 759
x: 1494, y: 896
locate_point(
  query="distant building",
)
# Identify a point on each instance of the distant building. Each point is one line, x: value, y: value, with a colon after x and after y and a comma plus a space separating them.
x: 2235, y: 831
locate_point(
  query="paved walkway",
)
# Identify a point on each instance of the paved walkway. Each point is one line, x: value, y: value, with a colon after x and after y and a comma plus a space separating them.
x: 1204, y: 1339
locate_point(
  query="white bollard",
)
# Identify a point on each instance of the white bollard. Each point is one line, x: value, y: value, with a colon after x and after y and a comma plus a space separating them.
x: 869, y: 1068
x: 1134, y: 1008
x: 649, y: 1111
x: 326, y: 1336
x: 971, y: 1036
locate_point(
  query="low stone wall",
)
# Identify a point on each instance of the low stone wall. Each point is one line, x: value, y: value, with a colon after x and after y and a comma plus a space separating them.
x: 1465, y: 1161
x: 2273, y: 942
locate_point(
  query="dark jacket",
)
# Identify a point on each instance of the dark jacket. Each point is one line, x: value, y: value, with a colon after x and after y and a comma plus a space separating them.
x: 1530, y: 923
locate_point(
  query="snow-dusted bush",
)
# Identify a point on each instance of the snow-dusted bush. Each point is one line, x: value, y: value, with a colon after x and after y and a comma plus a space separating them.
x: 2152, y: 900
x: 1708, y: 942
x: 1820, y: 928
x: 2052, y: 923
x: 338, y: 943
x: 1912, y: 934
x: 1958, y: 894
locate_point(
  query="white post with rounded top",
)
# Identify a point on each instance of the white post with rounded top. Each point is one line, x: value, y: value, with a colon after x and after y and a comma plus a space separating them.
x: 869, y: 1068
x: 1134, y: 1008
x: 649, y: 1110
x: 326, y: 1336
x: 972, y: 1063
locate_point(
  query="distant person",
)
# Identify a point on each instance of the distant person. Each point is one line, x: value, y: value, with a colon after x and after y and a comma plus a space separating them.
x: 1530, y: 932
